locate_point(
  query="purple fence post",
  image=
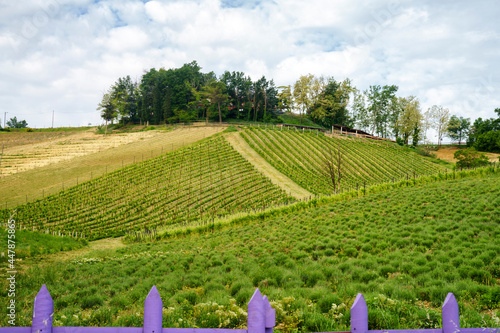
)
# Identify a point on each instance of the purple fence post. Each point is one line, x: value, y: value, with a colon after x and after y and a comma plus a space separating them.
x: 153, y: 312
x: 359, y: 315
x: 451, y: 316
x: 256, y: 321
x: 43, y: 311
x: 270, y: 316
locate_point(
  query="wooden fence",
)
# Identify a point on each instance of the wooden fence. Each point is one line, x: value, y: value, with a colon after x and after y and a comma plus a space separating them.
x: 261, y: 319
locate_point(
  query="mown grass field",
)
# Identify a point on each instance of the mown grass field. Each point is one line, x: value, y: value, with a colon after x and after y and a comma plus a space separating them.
x: 299, y: 155
x: 404, y: 249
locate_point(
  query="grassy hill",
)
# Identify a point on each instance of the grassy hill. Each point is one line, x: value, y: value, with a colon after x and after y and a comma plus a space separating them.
x: 199, y: 182
x: 299, y: 155
x: 37, y: 164
x: 404, y: 249
x: 210, y: 179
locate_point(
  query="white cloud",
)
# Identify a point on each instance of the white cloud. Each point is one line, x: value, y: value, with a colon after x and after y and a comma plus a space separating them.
x: 61, y: 54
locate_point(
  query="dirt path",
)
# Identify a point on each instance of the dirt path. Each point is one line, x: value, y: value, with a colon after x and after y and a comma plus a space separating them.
x: 264, y: 167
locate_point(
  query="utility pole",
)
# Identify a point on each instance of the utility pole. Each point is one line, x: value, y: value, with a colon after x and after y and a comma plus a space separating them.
x: 52, y: 118
x: 4, y: 116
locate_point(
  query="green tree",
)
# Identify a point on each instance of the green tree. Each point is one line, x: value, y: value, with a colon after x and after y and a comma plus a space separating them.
x: 470, y: 158
x: 285, y: 99
x: 458, y: 128
x: 379, y: 99
x: 14, y: 123
x: 330, y: 107
x: 481, y: 128
x: 107, y: 109
x: 409, y: 123
x: 360, y: 111
x: 215, y: 93
x: 302, y: 93
x: 489, y: 141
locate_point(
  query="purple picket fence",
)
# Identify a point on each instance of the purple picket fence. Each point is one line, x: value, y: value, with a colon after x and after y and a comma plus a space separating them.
x: 261, y: 319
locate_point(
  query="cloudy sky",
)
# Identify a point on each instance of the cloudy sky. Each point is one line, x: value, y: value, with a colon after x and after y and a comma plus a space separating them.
x: 61, y: 55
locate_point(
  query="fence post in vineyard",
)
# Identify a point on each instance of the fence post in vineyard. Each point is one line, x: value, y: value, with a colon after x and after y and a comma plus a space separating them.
x: 451, y: 315
x: 359, y: 315
x: 43, y: 310
x: 153, y: 312
x: 261, y: 316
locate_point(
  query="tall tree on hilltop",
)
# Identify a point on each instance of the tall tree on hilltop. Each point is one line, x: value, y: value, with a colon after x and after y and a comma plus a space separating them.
x: 285, y: 99
x: 439, y: 117
x: 215, y: 92
x: 458, y: 128
x: 107, y: 109
x: 379, y: 100
x: 410, y: 119
x: 330, y: 107
x: 302, y: 93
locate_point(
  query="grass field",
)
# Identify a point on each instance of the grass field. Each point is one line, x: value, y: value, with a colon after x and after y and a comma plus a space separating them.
x: 403, y: 249
x: 200, y: 182
x: 92, y: 155
x: 404, y: 245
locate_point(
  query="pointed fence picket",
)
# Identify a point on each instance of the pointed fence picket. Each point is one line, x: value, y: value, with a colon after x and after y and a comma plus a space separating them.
x: 261, y: 319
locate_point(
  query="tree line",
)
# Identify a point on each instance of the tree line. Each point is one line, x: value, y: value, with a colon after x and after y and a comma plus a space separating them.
x: 187, y: 94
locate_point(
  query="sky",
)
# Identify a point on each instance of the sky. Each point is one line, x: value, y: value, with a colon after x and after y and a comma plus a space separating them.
x: 58, y: 57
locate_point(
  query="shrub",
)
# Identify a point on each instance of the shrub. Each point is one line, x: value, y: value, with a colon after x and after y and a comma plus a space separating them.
x: 470, y: 158
x: 425, y: 151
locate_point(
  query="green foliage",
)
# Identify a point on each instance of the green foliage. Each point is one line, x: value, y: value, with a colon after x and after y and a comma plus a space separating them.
x: 330, y: 107
x: 425, y: 151
x: 458, y: 128
x: 489, y: 141
x: 30, y: 244
x: 293, y: 119
x: 408, y: 248
x: 470, y: 158
x: 14, y: 123
x: 485, y: 128
x: 230, y: 129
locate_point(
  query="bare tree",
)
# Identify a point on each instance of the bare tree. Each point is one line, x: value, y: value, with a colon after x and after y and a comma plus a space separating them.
x: 331, y: 167
x: 440, y: 118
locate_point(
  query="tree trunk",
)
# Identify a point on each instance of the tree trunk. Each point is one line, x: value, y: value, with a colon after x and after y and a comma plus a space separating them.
x: 220, y: 115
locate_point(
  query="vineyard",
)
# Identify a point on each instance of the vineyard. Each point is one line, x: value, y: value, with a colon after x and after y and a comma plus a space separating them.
x: 300, y: 155
x: 404, y: 249
x: 198, y: 182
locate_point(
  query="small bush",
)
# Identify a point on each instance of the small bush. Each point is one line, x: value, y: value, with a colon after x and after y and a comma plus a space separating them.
x: 470, y: 158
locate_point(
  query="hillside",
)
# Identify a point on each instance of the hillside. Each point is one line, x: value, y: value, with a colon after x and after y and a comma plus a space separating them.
x: 404, y: 249
x: 299, y: 155
x: 37, y: 164
x: 198, y: 182
x: 220, y: 176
